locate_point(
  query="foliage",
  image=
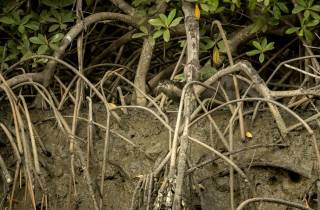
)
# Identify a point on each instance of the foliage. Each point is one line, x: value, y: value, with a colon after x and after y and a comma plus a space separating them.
x: 274, y: 11
x: 163, y: 23
x: 40, y: 29
x: 33, y: 29
x: 310, y: 20
x: 211, y: 6
x: 261, y: 48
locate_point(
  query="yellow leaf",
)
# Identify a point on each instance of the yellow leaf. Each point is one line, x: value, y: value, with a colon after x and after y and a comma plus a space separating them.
x: 201, y: 187
x: 197, y: 11
x: 249, y: 135
x: 140, y: 176
x: 112, y: 106
x: 215, y: 55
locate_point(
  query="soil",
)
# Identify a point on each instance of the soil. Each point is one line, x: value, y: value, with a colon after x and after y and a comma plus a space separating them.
x: 285, y: 172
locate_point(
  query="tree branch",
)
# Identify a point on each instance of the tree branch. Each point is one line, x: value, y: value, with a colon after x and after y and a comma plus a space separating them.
x: 142, y: 70
x: 76, y: 30
x: 124, y: 6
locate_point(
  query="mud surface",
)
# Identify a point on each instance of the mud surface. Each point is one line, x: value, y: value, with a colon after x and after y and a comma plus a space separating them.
x: 286, y: 172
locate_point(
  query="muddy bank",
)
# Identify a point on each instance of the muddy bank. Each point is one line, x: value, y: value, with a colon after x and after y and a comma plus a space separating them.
x: 279, y: 171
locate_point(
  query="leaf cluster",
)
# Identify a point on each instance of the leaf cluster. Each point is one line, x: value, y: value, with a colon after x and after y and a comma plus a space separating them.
x: 34, y: 32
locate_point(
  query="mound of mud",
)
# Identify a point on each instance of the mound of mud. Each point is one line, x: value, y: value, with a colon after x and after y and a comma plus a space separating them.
x: 276, y: 167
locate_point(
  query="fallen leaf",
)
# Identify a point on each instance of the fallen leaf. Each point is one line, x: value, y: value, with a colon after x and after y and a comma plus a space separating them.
x: 139, y: 176
x: 112, y: 106
x: 201, y: 187
x: 249, y: 135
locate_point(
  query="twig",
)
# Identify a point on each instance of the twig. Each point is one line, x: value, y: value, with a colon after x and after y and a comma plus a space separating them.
x: 272, y: 200
x: 105, y: 157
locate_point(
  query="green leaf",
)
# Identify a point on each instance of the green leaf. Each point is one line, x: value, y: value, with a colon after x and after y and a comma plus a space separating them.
x: 63, y: 26
x: 53, y: 27
x: 25, y: 41
x: 271, y: 21
x: 312, y: 23
x: 232, y: 7
x: 175, y: 22
x: 209, y: 6
x: 156, y: 22
x: 16, y: 17
x: 257, y: 45
x: 283, y: 7
x: 220, y: 10
x: 57, y: 3
x: 297, y: 9
x: 202, y: 47
x: 315, y: 8
x: 205, y: 7
x: 276, y: 12
x: 11, y: 44
x: 157, y: 34
x: 52, y: 20
x: 252, y: 52
x: 206, y: 72
x: 65, y: 3
x: 309, y: 3
x: 303, y: 3
x: 264, y: 43
x: 261, y: 58
x: 309, y: 35
x: 270, y: 46
x: 252, y: 4
x: 40, y: 39
x: 221, y: 46
x: 236, y: 2
x: 306, y: 14
x: 7, y: 20
x: 56, y: 38
x: 214, y: 4
x: 166, y: 35
x: 182, y: 43
x: 42, y: 49
x: 301, y: 33
x: 163, y: 19
x: 53, y: 46
x: 67, y: 17
x: 292, y: 30
x: 144, y: 29
x: 315, y: 15
x: 26, y: 54
x: 259, y: 23
x: 209, y: 44
x: 26, y: 19
x: 171, y: 15
x: 21, y: 29
x: 44, y: 16
x: 36, y: 40
x: 33, y: 25
x: 11, y: 57
x: 138, y: 35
